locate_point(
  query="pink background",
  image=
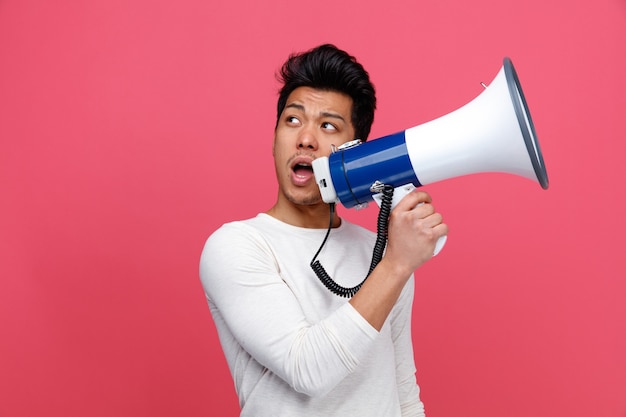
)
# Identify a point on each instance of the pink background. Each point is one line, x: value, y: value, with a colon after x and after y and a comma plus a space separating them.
x: 130, y: 130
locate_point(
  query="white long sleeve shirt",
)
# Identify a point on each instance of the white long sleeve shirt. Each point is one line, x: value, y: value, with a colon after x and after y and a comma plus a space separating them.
x: 293, y: 347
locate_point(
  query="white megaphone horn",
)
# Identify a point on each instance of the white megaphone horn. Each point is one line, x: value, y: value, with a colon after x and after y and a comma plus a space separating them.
x: 492, y: 133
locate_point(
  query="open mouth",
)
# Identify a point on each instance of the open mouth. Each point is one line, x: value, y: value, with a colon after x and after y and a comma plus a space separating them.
x: 303, y: 170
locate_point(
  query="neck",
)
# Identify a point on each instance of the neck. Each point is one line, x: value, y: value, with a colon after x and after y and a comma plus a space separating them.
x: 314, y: 216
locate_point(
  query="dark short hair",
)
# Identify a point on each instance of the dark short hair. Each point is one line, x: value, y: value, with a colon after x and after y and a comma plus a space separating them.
x: 328, y: 68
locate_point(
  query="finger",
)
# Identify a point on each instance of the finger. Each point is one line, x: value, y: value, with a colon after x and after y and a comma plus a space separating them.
x: 423, y: 210
x: 412, y: 199
x: 441, y: 229
x: 431, y: 221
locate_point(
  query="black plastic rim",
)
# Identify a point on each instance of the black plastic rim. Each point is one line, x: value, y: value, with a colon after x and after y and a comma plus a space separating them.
x: 525, y: 123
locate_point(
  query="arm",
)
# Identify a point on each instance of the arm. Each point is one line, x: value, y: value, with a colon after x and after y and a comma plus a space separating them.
x: 413, y: 233
x: 241, y: 277
x: 400, y: 321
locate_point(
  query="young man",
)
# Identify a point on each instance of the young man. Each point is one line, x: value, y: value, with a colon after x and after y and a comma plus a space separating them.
x: 293, y: 347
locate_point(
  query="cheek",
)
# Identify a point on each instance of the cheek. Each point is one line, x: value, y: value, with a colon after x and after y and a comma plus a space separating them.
x: 280, y: 146
x: 279, y: 155
x: 325, y: 147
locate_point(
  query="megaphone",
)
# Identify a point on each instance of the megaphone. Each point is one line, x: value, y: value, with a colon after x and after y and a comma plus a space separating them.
x: 492, y: 133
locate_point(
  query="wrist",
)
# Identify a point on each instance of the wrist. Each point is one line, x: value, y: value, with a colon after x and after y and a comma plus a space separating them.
x: 395, y: 270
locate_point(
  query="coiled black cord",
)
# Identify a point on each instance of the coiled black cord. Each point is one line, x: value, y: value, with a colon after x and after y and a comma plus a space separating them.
x: 379, y: 247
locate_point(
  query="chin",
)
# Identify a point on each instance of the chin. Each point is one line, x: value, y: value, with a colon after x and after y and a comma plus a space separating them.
x: 304, y: 199
x: 308, y: 201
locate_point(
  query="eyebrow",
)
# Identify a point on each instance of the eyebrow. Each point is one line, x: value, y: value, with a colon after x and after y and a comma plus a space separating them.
x: 323, y: 114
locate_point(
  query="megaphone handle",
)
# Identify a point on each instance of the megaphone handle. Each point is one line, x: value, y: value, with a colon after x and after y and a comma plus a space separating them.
x: 398, y: 194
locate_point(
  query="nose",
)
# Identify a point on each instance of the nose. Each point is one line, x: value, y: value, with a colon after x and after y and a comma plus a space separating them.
x: 307, y: 139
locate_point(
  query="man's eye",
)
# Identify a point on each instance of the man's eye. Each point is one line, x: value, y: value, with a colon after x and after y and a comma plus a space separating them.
x: 328, y: 126
x: 293, y: 120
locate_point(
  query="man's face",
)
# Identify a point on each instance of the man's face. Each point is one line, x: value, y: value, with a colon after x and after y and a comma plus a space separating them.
x: 311, y: 122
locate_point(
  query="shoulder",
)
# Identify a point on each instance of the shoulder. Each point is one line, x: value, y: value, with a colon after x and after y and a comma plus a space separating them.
x: 235, y: 235
x: 235, y: 248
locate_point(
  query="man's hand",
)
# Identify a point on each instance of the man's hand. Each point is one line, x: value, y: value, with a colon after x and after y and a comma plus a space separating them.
x: 414, y: 228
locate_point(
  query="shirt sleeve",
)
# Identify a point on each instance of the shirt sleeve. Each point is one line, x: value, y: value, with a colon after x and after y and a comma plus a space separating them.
x: 241, y: 278
x: 408, y: 389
